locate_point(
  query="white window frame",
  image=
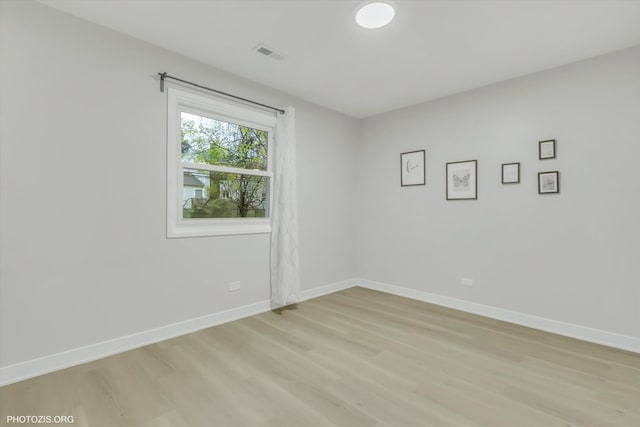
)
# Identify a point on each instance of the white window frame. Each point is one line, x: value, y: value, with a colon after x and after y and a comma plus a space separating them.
x: 179, y: 101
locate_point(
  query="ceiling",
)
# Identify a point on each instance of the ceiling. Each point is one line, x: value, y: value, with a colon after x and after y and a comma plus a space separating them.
x: 430, y: 50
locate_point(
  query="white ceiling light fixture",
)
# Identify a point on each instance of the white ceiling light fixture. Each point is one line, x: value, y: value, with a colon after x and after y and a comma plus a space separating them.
x: 375, y: 15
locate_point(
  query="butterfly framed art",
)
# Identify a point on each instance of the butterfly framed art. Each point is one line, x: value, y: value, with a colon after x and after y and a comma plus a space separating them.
x: 412, y: 170
x: 462, y: 180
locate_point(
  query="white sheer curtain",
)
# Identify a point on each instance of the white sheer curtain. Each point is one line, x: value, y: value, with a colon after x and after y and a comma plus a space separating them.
x: 285, y: 264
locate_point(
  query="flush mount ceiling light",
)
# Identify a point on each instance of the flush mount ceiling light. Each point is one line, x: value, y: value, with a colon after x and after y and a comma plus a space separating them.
x: 375, y: 15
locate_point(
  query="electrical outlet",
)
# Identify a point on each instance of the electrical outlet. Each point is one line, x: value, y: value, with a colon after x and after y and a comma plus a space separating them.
x: 466, y: 282
x: 234, y: 286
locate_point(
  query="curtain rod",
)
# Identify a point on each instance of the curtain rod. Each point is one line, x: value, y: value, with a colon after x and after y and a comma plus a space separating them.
x: 164, y: 76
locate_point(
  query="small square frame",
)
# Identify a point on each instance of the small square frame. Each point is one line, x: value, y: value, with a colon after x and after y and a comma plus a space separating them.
x: 509, y: 169
x: 412, y: 168
x: 469, y: 180
x: 548, y: 182
x: 547, y: 149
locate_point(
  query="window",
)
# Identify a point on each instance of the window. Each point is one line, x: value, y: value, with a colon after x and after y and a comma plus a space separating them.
x: 218, y: 165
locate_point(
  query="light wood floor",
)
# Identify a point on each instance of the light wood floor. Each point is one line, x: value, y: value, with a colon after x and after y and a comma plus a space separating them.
x: 353, y: 358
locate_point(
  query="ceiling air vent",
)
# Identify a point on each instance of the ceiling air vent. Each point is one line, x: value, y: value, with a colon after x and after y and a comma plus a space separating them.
x: 268, y: 51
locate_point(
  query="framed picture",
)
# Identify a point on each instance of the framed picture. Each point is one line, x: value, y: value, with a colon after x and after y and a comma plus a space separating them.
x: 462, y: 180
x: 547, y: 149
x: 511, y: 173
x: 412, y: 170
x: 548, y: 182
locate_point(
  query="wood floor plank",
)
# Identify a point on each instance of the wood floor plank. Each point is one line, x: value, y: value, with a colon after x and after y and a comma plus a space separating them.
x: 355, y: 358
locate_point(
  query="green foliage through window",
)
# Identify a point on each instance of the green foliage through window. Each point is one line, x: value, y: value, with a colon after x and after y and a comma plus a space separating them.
x: 215, y: 142
x: 216, y: 194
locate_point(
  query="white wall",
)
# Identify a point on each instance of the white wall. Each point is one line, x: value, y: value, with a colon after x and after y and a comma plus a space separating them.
x: 571, y: 257
x: 82, y: 115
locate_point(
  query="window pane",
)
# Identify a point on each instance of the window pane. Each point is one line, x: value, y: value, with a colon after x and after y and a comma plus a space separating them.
x: 224, y: 195
x: 215, y: 142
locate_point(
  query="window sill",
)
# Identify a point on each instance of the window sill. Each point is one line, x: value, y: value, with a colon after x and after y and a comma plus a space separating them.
x: 217, y: 228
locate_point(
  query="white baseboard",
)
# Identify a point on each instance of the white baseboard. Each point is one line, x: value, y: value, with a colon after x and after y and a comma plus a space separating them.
x: 327, y: 289
x: 611, y: 339
x: 43, y: 365
x: 54, y: 362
